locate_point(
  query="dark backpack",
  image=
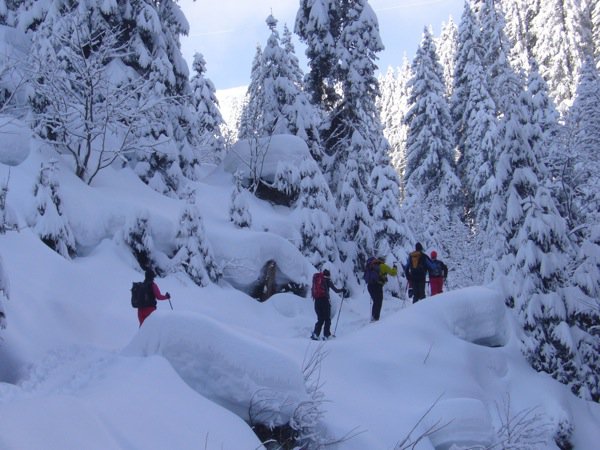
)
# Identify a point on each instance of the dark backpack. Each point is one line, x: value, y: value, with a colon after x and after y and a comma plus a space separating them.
x: 437, y: 270
x: 371, y: 274
x: 142, y: 295
x: 319, y: 286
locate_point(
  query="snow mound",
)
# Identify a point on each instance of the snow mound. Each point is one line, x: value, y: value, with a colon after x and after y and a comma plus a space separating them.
x: 16, y: 136
x: 475, y: 314
x: 233, y: 370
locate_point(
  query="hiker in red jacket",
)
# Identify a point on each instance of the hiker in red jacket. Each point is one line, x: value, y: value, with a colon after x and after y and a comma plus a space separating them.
x: 145, y: 311
x: 320, y: 292
x: 437, y: 274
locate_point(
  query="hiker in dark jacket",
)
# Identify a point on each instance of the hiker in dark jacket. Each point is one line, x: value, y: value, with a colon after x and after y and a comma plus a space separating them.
x: 417, y: 265
x: 437, y: 275
x: 145, y: 311
x: 323, y: 309
x: 375, y: 287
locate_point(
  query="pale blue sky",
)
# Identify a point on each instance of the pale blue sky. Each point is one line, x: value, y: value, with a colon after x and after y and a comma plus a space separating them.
x: 227, y: 32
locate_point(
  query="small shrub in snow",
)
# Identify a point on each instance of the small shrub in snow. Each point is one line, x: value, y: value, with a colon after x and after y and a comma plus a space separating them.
x: 525, y: 429
x: 239, y: 213
x: 3, y: 295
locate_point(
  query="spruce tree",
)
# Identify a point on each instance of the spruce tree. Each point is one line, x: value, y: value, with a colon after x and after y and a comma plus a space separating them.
x: 318, y: 24
x: 316, y: 208
x: 342, y: 41
x: 50, y: 223
x: 207, y: 120
x: 277, y: 103
x: 251, y: 118
x: 398, y: 131
x: 447, y: 45
x: 474, y: 115
x: 430, y: 174
x: 559, y: 48
x: 193, y: 252
x: 531, y: 246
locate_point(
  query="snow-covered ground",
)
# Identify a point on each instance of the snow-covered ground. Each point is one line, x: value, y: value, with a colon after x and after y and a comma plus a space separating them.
x: 76, y: 372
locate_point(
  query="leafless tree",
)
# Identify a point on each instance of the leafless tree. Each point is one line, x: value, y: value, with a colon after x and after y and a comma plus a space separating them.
x: 82, y: 108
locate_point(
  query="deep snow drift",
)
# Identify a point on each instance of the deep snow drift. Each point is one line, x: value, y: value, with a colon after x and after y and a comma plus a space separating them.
x: 77, y: 372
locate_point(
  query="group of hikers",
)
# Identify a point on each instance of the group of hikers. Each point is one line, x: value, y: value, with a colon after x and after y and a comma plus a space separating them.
x: 418, y: 266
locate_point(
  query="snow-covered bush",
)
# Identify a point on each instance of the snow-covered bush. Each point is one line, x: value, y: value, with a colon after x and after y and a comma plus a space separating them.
x: 239, y: 213
x: 3, y: 294
x: 137, y: 235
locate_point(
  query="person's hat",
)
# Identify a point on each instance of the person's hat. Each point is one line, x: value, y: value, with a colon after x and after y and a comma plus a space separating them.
x: 418, y: 247
x: 150, y: 275
x: 326, y: 273
x: 433, y: 254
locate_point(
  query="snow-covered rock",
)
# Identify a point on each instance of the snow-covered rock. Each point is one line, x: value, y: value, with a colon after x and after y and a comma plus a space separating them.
x: 261, y: 157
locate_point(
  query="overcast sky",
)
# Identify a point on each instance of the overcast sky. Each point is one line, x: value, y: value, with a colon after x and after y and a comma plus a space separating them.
x: 227, y: 32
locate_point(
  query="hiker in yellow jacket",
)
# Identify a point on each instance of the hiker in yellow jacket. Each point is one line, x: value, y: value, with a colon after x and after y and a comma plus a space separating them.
x: 376, y: 276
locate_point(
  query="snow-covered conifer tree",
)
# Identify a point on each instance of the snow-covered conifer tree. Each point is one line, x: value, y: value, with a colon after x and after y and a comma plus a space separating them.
x: 239, y: 212
x: 390, y: 230
x: 49, y: 221
x: 316, y: 209
x: 531, y: 248
x: 194, y: 254
x: 583, y: 122
x: 595, y: 23
x: 446, y: 46
x: 396, y: 130
x: 430, y: 174
x: 518, y: 17
x: 494, y: 43
x: 474, y: 115
x: 559, y: 48
x: 318, y: 25
x: 250, y: 117
x: 206, y: 128
x: 283, y: 106
x: 355, y: 226
x: 137, y: 236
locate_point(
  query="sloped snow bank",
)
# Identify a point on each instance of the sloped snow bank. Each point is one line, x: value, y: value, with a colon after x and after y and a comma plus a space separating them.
x: 80, y: 398
x: 234, y: 370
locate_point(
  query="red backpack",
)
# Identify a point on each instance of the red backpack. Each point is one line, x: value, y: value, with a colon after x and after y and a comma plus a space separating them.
x: 319, y: 286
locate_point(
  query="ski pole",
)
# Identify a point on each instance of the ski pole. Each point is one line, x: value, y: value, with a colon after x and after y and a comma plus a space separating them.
x: 338, y: 316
